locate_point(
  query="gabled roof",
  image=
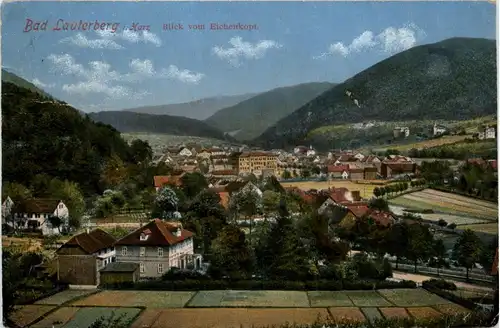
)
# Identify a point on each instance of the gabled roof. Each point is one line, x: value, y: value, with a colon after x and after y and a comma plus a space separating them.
x: 161, y: 234
x: 91, y: 242
x: 337, y: 168
x: 161, y: 180
x: 37, y: 206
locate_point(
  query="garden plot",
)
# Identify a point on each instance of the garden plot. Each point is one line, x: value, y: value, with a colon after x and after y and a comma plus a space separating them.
x: 57, y: 319
x: 394, y: 312
x: 451, y: 309
x: 367, y: 298
x: 423, y: 312
x: 26, y: 314
x: 341, y: 314
x: 328, y: 298
x: 448, y: 203
x: 249, y: 298
x: 449, y: 218
x: 411, y: 297
x: 64, y: 296
x: 129, y: 298
x: 257, y: 298
x: 88, y: 315
x: 461, y: 199
x: 230, y: 318
x: 372, y: 314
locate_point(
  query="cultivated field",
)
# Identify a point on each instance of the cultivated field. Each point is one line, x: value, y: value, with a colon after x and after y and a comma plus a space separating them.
x: 490, y: 228
x: 229, y: 308
x: 365, y: 189
x: 426, y: 143
x: 22, y: 244
x: 449, y: 218
x: 448, y: 203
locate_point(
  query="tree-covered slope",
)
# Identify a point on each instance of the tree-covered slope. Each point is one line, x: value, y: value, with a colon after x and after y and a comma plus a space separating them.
x: 450, y: 80
x: 20, y: 82
x: 165, y: 124
x: 199, y: 109
x: 43, y: 136
x: 252, y: 117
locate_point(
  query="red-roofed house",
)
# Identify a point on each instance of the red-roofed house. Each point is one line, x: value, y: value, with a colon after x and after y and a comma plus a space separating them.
x: 80, y: 258
x: 338, y: 171
x: 157, y: 247
x: 361, y: 211
x: 162, y: 180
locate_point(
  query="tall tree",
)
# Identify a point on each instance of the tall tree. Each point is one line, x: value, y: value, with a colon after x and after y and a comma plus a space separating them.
x: 419, y: 243
x: 193, y: 184
x: 166, y: 203
x: 467, y: 250
x: 141, y: 151
x: 397, y: 241
x: 439, y: 251
x: 231, y: 253
x: 114, y: 171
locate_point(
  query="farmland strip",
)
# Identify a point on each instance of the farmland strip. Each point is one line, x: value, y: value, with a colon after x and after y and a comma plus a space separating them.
x: 471, y: 200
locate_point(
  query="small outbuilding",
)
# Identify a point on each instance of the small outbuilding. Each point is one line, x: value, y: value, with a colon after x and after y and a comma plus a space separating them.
x: 118, y: 272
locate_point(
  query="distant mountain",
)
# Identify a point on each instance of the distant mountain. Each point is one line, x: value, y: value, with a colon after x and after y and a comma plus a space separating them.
x: 165, y: 124
x: 454, y: 79
x: 250, y: 118
x: 20, y: 82
x: 199, y: 109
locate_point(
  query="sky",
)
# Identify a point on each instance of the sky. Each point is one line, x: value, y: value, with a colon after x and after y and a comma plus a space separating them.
x: 136, y: 58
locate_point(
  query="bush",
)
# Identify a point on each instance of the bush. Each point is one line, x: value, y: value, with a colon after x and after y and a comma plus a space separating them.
x: 442, y: 223
x: 177, y: 274
x: 440, y: 284
x: 452, y: 225
x: 192, y: 285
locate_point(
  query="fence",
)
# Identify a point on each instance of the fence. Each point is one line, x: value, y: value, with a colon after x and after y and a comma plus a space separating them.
x: 451, y: 273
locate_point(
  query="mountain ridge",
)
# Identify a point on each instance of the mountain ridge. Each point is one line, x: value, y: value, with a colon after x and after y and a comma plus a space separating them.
x: 127, y: 122
x: 455, y: 78
x: 199, y: 109
x: 251, y: 117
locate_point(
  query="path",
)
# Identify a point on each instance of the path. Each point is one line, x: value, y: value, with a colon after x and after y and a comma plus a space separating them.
x: 419, y: 278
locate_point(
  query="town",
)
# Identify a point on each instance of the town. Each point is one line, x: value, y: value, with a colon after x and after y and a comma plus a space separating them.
x: 317, y: 165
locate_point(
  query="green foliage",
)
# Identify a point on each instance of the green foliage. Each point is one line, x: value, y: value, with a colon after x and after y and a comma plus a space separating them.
x: 440, y: 284
x: 126, y: 122
x: 460, y: 150
x: 488, y: 254
x: 467, y: 249
x: 387, y: 92
x: 379, y: 204
x: 253, y: 116
x: 112, y: 322
x: 141, y: 151
x: 419, y: 243
x: 193, y: 184
x: 40, y: 136
x: 232, y: 254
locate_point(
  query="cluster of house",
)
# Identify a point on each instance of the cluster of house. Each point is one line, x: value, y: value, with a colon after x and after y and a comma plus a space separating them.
x: 226, y: 164
x: 485, y: 132
x: 96, y: 257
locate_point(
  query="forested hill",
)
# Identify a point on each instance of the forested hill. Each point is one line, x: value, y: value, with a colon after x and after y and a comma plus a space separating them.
x: 20, y: 82
x: 252, y: 117
x: 43, y: 136
x: 450, y: 80
x: 175, y: 125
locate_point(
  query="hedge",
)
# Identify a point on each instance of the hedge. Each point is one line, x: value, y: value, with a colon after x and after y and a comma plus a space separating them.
x: 440, y: 284
x: 191, y: 285
x: 451, y: 297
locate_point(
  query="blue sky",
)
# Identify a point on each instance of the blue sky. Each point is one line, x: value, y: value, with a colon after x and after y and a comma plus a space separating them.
x: 295, y: 42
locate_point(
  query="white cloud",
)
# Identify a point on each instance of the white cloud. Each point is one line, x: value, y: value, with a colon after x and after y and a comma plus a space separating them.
x: 40, y: 84
x: 80, y: 40
x: 241, y: 49
x: 99, y: 77
x: 391, y: 40
x: 183, y: 75
x: 109, y: 40
x: 131, y: 36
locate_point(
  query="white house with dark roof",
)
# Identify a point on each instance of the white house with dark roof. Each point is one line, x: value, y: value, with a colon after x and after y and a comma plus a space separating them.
x: 35, y: 213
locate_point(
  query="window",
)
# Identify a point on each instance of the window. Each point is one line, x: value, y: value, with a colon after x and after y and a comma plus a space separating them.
x: 61, y: 205
x: 141, y: 267
x: 124, y: 251
x: 143, y: 251
x: 160, y: 267
x: 143, y: 236
x: 160, y: 251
